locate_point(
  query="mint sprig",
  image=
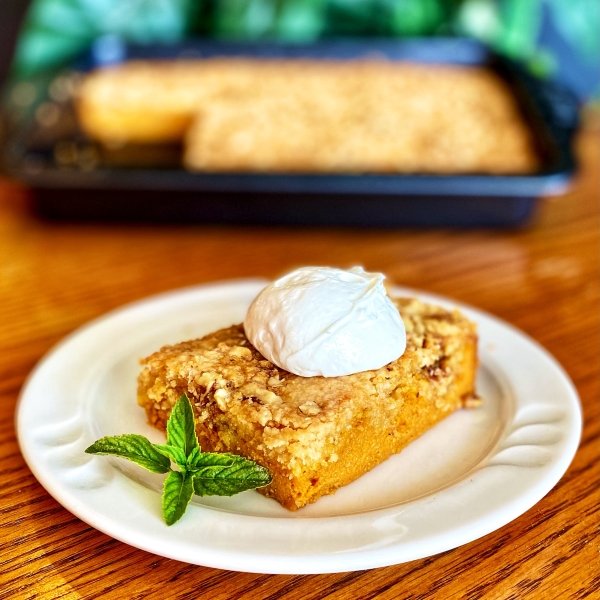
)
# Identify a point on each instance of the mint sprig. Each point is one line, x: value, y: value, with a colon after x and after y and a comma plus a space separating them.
x: 200, y: 473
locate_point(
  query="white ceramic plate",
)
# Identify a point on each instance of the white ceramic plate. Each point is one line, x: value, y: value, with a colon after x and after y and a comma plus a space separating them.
x: 470, y: 475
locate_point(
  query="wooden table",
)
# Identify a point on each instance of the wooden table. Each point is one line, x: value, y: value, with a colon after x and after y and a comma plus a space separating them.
x: 544, y: 279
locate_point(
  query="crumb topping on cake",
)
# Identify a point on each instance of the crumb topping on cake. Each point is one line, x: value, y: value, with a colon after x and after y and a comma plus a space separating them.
x: 301, y: 115
x: 292, y: 417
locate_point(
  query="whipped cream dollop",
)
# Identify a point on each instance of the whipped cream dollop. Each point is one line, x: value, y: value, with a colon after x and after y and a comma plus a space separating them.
x: 325, y: 321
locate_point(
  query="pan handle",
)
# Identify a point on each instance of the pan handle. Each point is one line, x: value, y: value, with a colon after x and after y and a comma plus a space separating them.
x: 560, y: 103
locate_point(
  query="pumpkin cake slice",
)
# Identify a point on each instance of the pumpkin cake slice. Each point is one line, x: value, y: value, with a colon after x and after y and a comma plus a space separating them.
x: 315, y: 434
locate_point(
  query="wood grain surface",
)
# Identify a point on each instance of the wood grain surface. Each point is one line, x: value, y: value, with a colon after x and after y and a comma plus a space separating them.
x: 544, y: 279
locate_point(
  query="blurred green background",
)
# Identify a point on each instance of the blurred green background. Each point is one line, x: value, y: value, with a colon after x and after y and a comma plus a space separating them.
x: 552, y: 37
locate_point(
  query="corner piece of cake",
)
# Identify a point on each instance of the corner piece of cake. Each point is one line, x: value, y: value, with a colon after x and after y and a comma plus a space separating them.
x: 315, y: 434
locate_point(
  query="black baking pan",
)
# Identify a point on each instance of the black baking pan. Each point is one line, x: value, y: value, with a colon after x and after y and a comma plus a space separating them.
x: 148, y: 184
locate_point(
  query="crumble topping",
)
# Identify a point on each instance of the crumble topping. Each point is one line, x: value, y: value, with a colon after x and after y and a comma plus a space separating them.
x: 293, y: 418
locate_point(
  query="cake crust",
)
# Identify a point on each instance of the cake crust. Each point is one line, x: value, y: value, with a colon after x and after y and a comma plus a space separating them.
x: 314, y: 434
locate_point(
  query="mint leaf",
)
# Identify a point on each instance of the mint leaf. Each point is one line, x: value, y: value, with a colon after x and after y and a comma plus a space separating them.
x: 192, y: 459
x: 177, y: 455
x: 213, y: 459
x: 177, y: 493
x: 214, y: 478
x: 133, y: 447
x: 181, y: 430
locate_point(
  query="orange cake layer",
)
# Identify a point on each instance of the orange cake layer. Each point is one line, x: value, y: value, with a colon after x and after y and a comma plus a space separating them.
x: 313, y: 116
x: 315, y: 434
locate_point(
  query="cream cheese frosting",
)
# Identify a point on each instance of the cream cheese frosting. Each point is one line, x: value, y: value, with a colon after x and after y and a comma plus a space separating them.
x: 326, y: 321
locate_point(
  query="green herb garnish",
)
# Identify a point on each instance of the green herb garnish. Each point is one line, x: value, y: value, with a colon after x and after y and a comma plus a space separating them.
x: 200, y: 473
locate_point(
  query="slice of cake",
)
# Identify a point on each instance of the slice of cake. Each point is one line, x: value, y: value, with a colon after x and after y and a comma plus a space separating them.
x: 315, y: 434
